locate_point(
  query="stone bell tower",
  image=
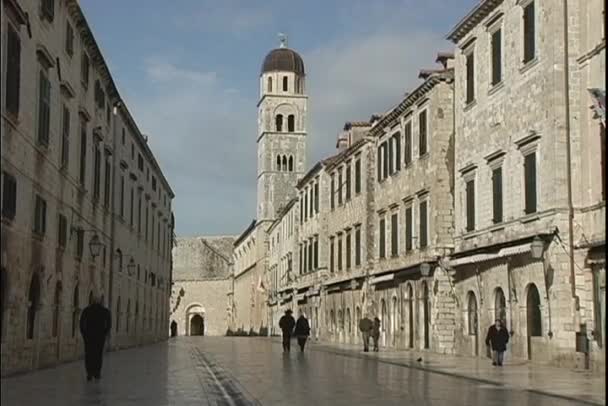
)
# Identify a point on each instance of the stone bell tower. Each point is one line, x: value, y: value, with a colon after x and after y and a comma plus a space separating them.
x: 282, y: 114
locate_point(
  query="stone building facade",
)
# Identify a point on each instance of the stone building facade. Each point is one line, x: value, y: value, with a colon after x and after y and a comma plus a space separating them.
x: 77, y: 178
x: 202, y: 277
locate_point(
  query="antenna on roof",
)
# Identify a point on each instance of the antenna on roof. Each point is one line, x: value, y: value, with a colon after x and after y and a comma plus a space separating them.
x: 282, y: 40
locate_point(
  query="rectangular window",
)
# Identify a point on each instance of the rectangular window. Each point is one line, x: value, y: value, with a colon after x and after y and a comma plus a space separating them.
x: 348, y: 180
x: 391, y: 155
x: 44, y: 109
x: 529, y: 33
x: 408, y: 143
x: 122, y: 196
x: 382, y: 237
x: 384, y: 160
x: 316, y: 252
x: 312, y: 198
x: 530, y: 182
x: 422, y: 134
x: 379, y: 164
x: 358, y: 246
x: 305, y: 257
x: 348, y: 249
x: 470, y: 204
x: 139, y: 214
x: 154, y: 183
x: 409, y: 237
x: 147, y: 222
x: 9, y: 196
x: 84, y: 70
x: 79, y: 244
x: 317, y: 197
x: 13, y: 71
x: 340, y: 252
x: 340, y: 186
x: 497, y: 195
x: 47, y: 7
x: 107, y: 184
x: 131, y: 211
x: 140, y: 162
x: 496, y: 57
x: 394, y: 235
x: 301, y: 262
x: 62, y: 231
x: 470, y: 69
x: 358, y: 176
x: 69, y: 39
x: 65, y: 138
x: 97, y: 173
x: 306, y: 205
x: 331, y: 254
x: 397, y: 138
x: 424, y: 221
x: 40, y: 216
x: 83, y: 152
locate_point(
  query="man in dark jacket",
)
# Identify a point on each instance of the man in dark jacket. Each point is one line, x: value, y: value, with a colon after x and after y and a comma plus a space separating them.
x: 497, y: 338
x: 95, y: 324
x: 365, y: 326
x: 302, y: 330
x: 287, y: 324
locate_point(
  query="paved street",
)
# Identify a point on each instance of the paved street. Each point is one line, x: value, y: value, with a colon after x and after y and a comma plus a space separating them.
x: 254, y: 371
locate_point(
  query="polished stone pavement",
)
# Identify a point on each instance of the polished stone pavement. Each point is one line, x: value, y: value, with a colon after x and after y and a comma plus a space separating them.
x: 254, y: 371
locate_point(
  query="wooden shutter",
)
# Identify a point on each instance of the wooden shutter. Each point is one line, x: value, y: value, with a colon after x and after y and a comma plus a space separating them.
x: 331, y: 255
x: 333, y: 192
x: 423, y: 225
x: 408, y: 229
x: 422, y: 147
x: 357, y: 176
x: 470, y: 192
x: 340, y: 181
x: 385, y: 158
x: 530, y: 182
x: 379, y: 163
x: 529, y: 33
x: 408, y: 143
x: 397, y: 138
x: 358, y: 246
x: 340, y: 253
x: 317, y: 197
x: 316, y: 253
x: 496, y: 57
x: 394, y: 235
x: 348, y: 180
x: 382, y: 230
x: 497, y: 194
x: 348, y: 250
x: 9, y: 197
x: 470, y: 77
x: 391, y: 155
x: 13, y: 71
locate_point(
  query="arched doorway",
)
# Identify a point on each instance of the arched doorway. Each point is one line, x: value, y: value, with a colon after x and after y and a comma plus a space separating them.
x: 197, y: 325
x: 500, y: 306
x: 534, y: 316
x: 383, y: 320
x: 473, y: 321
x: 426, y: 314
x: 410, y: 315
x: 33, y: 304
x: 394, y: 317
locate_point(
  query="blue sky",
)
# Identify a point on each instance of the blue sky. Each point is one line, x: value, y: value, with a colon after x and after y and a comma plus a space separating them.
x: 188, y: 71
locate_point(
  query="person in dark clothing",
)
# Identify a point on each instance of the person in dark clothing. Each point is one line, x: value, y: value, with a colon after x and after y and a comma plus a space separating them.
x: 287, y: 323
x: 497, y: 338
x: 365, y: 326
x: 302, y: 330
x: 173, y: 329
x: 376, y: 333
x: 95, y: 324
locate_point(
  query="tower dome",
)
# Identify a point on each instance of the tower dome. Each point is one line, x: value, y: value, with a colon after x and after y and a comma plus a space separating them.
x: 283, y: 59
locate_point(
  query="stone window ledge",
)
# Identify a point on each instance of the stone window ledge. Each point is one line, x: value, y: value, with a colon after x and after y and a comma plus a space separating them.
x: 496, y: 88
x: 469, y: 106
x: 527, y: 66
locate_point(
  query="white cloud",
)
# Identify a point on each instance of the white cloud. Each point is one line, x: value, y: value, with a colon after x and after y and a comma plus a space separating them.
x: 227, y: 16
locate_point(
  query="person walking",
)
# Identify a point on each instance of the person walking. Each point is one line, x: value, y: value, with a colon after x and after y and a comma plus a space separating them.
x: 497, y: 338
x: 302, y: 330
x: 173, y: 328
x: 95, y: 324
x: 376, y: 333
x: 366, y: 326
x: 287, y: 324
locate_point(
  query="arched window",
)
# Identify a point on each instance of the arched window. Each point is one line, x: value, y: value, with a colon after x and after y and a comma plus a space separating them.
x: 279, y: 122
x: 75, y: 310
x: 291, y: 123
x: 57, y: 308
x: 291, y: 163
x: 33, y: 303
x: 269, y: 88
x: 472, y: 314
x: 500, y: 305
x: 284, y: 163
x: 426, y: 309
x: 118, y: 314
x: 285, y: 84
x: 298, y: 85
x: 348, y: 321
x: 535, y: 327
x: 278, y: 162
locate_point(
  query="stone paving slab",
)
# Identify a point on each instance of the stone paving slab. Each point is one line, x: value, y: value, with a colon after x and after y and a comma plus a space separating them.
x: 559, y: 382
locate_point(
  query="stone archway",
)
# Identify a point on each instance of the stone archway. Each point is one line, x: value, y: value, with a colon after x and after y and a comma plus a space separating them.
x: 195, y: 320
x: 197, y: 325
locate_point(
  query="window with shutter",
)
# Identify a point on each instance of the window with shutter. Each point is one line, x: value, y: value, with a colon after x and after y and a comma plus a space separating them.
x: 9, y: 196
x: 470, y: 70
x: 316, y: 252
x: 40, y: 216
x: 348, y: 250
x: 84, y: 70
x: 122, y: 196
x: 340, y: 180
x: 408, y: 229
x: 13, y: 71
x: 470, y: 204
x: 300, y: 256
x: 317, y: 196
x: 529, y: 33
x: 358, y: 176
x: 530, y: 183
x: 83, y: 152
x: 348, y: 187
x: 340, y: 252
x: 69, y: 39
x: 96, y: 173
x: 424, y: 240
x: 408, y: 143
x: 358, y: 246
x: 332, y: 198
x: 382, y: 237
x: 311, y: 205
x: 394, y: 235
x: 497, y: 195
x: 422, y: 141
x: 47, y: 8
x: 384, y: 160
x: 65, y: 138
x: 397, y: 138
x: 106, y: 188
x: 391, y: 155
x: 44, y: 107
x: 496, y: 57
x: 331, y: 254
x: 379, y: 163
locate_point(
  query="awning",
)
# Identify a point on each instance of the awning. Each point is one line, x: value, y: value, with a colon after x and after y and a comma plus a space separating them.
x: 599, y: 103
x: 383, y: 278
x: 300, y: 296
x: 504, y: 252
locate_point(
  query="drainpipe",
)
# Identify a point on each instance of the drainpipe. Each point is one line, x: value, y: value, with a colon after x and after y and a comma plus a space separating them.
x: 569, y: 161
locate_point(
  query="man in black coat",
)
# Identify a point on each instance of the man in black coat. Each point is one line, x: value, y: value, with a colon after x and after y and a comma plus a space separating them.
x: 497, y: 337
x: 95, y: 324
x: 287, y: 323
x: 302, y: 330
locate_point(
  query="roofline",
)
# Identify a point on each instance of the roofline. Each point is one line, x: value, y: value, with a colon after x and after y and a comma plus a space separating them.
x: 466, y: 24
x: 353, y: 149
x: 282, y: 214
x: 245, y: 233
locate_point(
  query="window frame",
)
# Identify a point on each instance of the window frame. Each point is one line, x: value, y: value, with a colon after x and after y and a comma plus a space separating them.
x: 423, y: 112
x: 528, y: 59
x: 12, y: 100
x: 469, y: 85
x: 43, y: 118
x: 424, y: 200
x: 496, y: 27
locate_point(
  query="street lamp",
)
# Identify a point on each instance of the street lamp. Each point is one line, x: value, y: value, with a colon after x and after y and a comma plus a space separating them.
x: 537, y: 247
x: 131, y: 266
x: 95, y: 245
x: 425, y: 269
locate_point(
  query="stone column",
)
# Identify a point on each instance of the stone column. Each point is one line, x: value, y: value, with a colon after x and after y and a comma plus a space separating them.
x: 443, y: 312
